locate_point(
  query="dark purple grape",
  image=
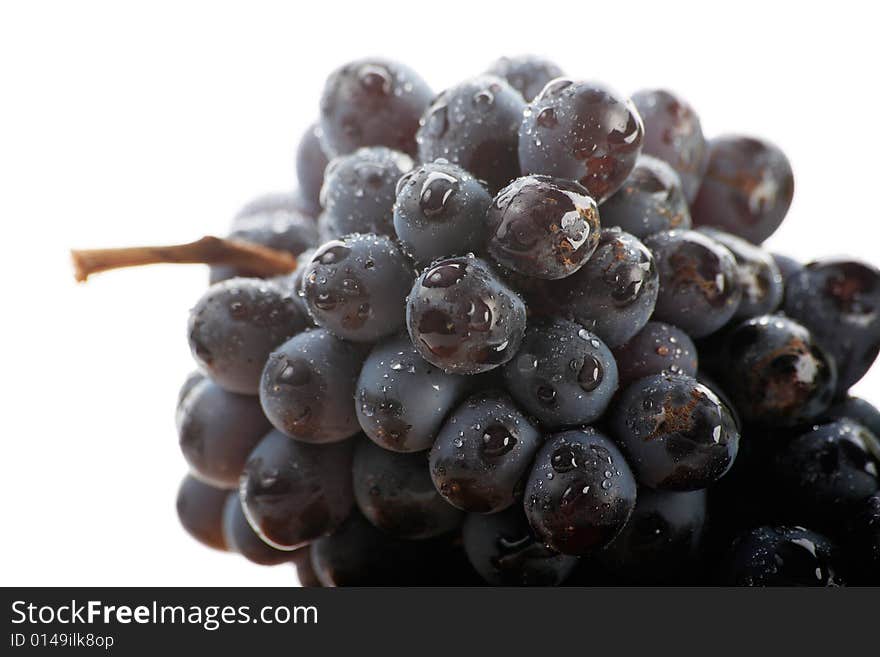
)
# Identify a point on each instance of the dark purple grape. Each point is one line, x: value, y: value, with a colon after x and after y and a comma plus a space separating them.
x: 440, y: 211
x: 308, y: 385
x: 283, y: 230
x: 240, y: 537
x: 699, y: 281
x: 462, y: 318
x: 217, y: 430
x: 788, y: 267
x: 543, y: 227
x: 359, y: 191
x: 657, y: 349
x: 759, y: 276
x: 293, y: 492
x: 394, y: 492
x: 503, y: 550
x: 581, y: 131
x: 482, y: 453
x: 677, y: 434
x: 580, y: 492
x: 858, y: 410
x: 839, y: 301
x: 674, y: 135
x: 235, y: 326
x: 192, y: 379
x: 372, y: 102
x: 828, y: 470
x: 310, y: 164
x: 650, y: 200
x: 614, y: 293
x: 781, y: 556
x: 563, y: 374
x: 475, y: 124
x: 402, y: 399
x: 302, y: 562
x: 272, y: 202
x: 356, y: 287
x: 775, y: 372
x: 747, y: 188
x: 660, y: 543
x: 359, y: 554
x: 863, y: 539
x: 200, y: 511
x: 526, y: 73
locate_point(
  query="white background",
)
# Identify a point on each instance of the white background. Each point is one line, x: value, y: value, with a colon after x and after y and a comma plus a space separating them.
x: 127, y: 123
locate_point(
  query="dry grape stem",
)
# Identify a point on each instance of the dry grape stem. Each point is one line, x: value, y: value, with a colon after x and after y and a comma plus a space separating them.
x: 209, y: 250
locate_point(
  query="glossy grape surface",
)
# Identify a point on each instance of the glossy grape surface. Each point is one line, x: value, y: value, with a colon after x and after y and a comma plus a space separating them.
x: 482, y: 452
x: 356, y: 287
x: 580, y: 492
x: 440, y: 211
x: 563, y: 374
x: 581, y: 131
x: 657, y: 349
x: 462, y: 318
x: 308, y: 385
x: 240, y: 537
x: 528, y: 74
x: 650, y: 200
x: 542, y: 227
x: 475, y: 124
x: 200, y: 511
x: 402, y: 399
x: 677, y: 434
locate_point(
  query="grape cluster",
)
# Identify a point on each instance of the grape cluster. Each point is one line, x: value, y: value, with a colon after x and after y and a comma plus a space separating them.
x: 533, y: 339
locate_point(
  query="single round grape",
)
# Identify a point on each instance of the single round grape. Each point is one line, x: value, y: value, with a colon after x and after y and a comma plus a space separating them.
x: 829, y: 469
x: 217, y: 430
x: 563, y: 374
x: 677, y: 434
x: 482, y: 452
x: 293, y: 492
x: 581, y: 131
x: 781, y: 556
x: 699, y: 281
x: 858, y: 410
x: 200, y: 511
x: 543, y: 227
x: 503, y: 550
x: 788, y: 267
x: 650, y: 200
x: 863, y: 537
x: 310, y: 164
x: 475, y: 125
x: 402, y: 399
x: 240, y: 537
x: 462, y: 318
x: 660, y: 543
x: 673, y: 134
x: 775, y: 371
x: 747, y: 189
x: 283, y: 230
x: 440, y: 211
x: 235, y: 326
x: 614, y: 293
x: 192, y: 379
x: 528, y: 74
x: 356, y: 287
x: 394, y: 492
x: 359, y: 191
x: 372, y: 102
x: 759, y: 276
x: 580, y: 492
x: 308, y: 386
x: 839, y: 301
x: 657, y: 349
x: 290, y: 202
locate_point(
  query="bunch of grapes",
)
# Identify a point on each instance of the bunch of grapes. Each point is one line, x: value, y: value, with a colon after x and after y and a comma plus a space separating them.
x: 523, y: 332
